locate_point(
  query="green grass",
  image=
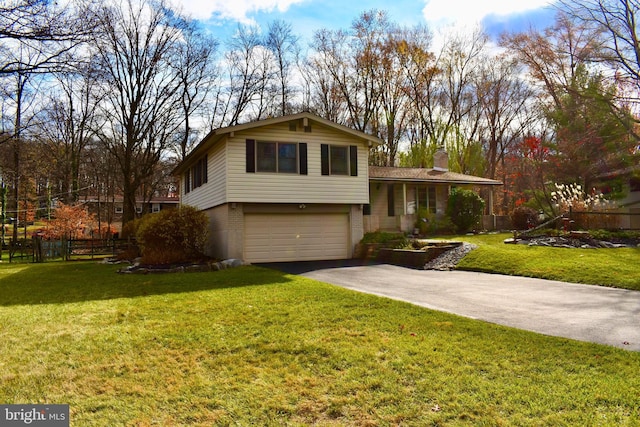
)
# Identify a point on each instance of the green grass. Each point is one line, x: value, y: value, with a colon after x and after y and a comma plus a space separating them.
x: 252, y: 346
x: 607, y: 267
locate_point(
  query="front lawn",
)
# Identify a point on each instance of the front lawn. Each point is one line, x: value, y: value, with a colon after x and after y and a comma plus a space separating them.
x: 253, y: 346
x: 607, y: 267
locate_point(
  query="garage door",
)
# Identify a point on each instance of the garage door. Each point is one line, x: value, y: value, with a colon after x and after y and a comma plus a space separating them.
x: 295, y: 237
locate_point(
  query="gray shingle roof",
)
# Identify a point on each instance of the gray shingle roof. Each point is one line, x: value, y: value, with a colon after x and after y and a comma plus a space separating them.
x: 382, y: 173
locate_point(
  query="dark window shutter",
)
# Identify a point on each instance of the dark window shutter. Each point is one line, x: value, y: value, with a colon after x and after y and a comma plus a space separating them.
x: 187, y: 181
x: 353, y: 160
x: 324, y: 155
x: 302, y: 148
x: 391, y: 201
x: 205, y: 171
x: 251, y: 156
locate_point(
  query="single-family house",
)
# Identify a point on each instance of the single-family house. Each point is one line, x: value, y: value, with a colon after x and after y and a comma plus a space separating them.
x: 297, y: 187
x: 280, y: 189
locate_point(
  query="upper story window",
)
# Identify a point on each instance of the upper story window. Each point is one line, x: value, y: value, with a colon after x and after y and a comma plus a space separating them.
x: 276, y: 157
x: 196, y: 175
x: 339, y: 159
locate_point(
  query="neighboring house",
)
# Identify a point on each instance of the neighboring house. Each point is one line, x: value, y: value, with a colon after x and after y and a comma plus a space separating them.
x: 397, y: 194
x: 112, y: 208
x: 281, y: 189
x: 629, y: 181
x: 298, y: 188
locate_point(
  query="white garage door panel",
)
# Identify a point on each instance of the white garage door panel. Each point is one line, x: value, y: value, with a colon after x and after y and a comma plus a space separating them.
x: 289, y: 237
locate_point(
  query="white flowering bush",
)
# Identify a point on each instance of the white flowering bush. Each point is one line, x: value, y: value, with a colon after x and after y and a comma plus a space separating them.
x: 572, y: 196
x: 588, y: 210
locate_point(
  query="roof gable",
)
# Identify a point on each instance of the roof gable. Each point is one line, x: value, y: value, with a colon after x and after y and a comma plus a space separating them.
x: 220, y: 133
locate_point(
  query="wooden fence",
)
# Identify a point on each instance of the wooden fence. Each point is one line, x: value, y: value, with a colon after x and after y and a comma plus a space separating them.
x: 604, y: 220
x: 38, y: 249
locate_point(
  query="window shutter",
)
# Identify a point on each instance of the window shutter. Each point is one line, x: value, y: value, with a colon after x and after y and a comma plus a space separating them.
x: 302, y: 148
x: 187, y: 181
x: 205, y: 171
x: 353, y: 160
x: 251, y: 156
x: 324, y: 155
x: 391, y: 201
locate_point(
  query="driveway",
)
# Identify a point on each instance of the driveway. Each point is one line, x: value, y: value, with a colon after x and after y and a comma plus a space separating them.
x: 581, y: 312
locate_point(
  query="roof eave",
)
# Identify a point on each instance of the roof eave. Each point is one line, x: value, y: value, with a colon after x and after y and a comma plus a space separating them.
x: 435, y: 181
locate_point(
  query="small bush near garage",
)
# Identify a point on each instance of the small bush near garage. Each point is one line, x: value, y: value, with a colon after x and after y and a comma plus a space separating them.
x: 465, y: 209
x: 172, y: 236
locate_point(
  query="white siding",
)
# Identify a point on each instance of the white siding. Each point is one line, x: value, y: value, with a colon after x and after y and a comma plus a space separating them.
x: 292, y: 188
x: 212, y: 193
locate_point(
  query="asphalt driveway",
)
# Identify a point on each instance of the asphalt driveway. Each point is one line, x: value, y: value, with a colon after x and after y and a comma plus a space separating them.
x: 582, y: 312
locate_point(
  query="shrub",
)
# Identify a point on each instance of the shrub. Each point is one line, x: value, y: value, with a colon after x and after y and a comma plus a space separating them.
x: 524, y: 218
x: 130, y: 229
x: 428, y: 223
x: 465, y: 209
x: 172, y: 236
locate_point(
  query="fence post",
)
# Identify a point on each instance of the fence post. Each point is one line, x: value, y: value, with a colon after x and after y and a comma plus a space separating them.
x: 37, y: 249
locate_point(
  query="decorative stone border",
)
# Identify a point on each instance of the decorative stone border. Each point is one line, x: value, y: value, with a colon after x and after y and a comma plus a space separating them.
x: 137, y: 268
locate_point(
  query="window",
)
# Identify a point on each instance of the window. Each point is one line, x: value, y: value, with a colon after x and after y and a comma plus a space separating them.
x: 288, y: 158
x: 426, y: 198
x: 339, y: 159
x: 266, y: 157
x: 276, y: 157
x: 197, y: 175
x: 119, y: 209
x: 338, y: 163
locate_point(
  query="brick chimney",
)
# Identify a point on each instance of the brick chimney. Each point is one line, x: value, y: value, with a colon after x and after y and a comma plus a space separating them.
x: 441, y: 160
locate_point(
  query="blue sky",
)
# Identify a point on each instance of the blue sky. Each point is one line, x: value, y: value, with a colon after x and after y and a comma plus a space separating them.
x: 307, y: 16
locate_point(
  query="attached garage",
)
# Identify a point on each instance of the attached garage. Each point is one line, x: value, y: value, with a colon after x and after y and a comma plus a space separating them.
x: 279, y: 237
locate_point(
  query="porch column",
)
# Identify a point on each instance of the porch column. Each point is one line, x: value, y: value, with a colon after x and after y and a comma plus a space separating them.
x: 404, y: 198
x: 491, y: 201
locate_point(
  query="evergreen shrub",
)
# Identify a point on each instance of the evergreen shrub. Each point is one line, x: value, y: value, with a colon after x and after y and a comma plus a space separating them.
x: 464, y: 208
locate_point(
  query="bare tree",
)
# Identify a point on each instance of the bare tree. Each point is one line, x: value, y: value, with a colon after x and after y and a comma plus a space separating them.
x: 50, y: 28
x: 197, y: 75
x: 283, y: 45
x: 552, y: 57
x: 618, y: 19
x: 504, y: 99
x: 70, y: 123
x: 250, y: 70
x: 136, y: 46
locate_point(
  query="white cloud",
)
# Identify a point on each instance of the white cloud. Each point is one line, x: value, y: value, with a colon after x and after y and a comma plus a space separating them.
x: 236, y: 10
x: 471, y: 12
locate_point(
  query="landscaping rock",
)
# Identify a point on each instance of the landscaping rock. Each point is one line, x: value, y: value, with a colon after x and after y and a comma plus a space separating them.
x: 448, y: 260
x: 137, y: 268
x: 582, y: 241
x: 232, y: 263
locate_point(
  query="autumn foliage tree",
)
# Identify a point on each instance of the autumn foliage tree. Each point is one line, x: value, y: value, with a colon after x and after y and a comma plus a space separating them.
x: 69, y: 222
